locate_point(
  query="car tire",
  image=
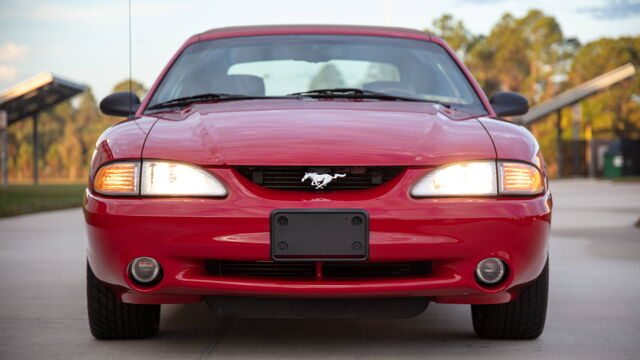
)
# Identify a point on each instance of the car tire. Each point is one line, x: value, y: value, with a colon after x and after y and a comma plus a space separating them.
x: 112, y: 319
x: 521, y: 319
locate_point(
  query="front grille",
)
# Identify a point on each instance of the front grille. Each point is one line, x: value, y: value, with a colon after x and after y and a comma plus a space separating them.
x: 330, y: 270
x: 289, y: 177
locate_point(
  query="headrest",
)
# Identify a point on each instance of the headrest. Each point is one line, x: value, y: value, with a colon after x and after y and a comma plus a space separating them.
x: 243, y: 85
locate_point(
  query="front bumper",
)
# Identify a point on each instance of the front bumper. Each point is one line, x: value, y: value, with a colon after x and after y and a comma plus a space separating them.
x: 454, y: 234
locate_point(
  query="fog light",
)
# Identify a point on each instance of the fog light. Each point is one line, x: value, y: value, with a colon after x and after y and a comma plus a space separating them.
x: 144, y: 270
x: 490, y: 271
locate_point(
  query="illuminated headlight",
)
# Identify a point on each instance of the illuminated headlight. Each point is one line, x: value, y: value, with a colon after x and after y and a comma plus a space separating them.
x: 164, y: 178
x: 481, y: 178
x: 459, y: 179
x: 156, y: 178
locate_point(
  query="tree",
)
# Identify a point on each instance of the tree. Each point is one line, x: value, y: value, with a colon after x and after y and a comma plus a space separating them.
x: 67, y: 137
x: 454, y: 33
x: 136, y: 87
x: 528, y: 55
x: 380, y: 72
x: 612, y: 113
x: 327, y: 78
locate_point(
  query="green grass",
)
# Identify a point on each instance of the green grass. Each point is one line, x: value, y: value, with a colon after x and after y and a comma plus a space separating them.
x: 25, y: 199
x: 626, y: 179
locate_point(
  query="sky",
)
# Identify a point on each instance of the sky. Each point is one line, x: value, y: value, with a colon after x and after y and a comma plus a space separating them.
x: 87, y: 40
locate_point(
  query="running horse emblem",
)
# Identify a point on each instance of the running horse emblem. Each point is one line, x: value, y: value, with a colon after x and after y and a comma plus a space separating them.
x: 320, y: 180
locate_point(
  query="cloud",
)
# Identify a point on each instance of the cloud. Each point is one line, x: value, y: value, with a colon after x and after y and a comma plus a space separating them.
x: 10, y: 52
x: 614, y: 9
x: 8, y: 73
x: 101, y: 13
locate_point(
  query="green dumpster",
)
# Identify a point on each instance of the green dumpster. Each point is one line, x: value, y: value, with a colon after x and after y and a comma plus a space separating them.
x: 613, y: 165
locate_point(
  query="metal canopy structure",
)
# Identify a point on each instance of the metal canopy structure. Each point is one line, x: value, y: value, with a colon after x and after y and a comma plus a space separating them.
x: 574, y: 95
x: 27, y: 99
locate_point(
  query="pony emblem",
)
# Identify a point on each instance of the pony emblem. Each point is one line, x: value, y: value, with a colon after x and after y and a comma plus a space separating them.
x: 320, y: 180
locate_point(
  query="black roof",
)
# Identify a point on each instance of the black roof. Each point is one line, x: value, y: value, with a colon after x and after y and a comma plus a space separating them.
x: 38, y: 93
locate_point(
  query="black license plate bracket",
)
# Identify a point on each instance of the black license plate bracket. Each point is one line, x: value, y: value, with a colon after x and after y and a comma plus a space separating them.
x: 319, y: 235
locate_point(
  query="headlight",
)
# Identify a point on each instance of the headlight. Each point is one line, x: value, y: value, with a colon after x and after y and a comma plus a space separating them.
x: 478, y: 178
x: 157, y: 178
x: 164, y: 178
x: 459, y: 179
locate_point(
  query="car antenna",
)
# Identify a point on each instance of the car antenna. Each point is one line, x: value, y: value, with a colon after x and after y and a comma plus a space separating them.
x: 130, y: 85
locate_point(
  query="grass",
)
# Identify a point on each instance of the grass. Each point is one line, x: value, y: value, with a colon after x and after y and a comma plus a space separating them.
x: 25, y: 199
x: 626, y: 179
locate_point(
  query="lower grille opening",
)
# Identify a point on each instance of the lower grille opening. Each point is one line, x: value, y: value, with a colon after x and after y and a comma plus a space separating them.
x: 377, y: 270
x: 330, y: 270
x: 260, y: 268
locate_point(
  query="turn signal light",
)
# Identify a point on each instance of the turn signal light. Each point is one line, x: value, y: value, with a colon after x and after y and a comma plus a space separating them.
x: 520, y: 179
x: 117, y: 179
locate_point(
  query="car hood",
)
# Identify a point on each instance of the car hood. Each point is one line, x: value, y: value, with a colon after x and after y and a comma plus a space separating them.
x: 311, y: 132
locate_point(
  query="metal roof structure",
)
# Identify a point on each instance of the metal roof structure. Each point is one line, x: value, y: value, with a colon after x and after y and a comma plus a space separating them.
x: 35, y: 94
x: 577, y: 93
x: 27, y: 99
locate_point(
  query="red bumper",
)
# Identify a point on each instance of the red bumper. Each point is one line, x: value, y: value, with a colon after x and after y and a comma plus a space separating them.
x: 183, y: 233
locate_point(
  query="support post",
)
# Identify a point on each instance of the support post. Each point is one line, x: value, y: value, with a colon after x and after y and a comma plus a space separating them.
x: 559, y: 154
x: 4, y: 155
x: 577, y: 118
x: 35, y: 149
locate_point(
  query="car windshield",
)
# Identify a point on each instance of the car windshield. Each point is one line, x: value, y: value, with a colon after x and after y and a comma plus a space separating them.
x: 274, y: 66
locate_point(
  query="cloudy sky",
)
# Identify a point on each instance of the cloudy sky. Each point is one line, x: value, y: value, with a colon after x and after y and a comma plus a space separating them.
x: 87, y: 40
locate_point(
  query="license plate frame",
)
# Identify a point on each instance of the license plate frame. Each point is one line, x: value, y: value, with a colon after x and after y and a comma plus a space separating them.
x: 319, y: 235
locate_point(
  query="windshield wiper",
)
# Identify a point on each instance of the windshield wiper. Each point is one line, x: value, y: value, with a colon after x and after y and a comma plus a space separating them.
x: 188, y: 100
x: 355, y: 93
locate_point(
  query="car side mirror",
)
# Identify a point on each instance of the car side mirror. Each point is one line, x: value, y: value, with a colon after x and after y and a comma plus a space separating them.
x: 123, y: 103
x: 507, y: 103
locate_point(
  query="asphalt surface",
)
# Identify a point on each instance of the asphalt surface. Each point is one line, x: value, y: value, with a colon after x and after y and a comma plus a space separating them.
x: 593, y: 311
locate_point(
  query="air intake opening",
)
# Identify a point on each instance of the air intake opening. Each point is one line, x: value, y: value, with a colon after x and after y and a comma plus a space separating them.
x: 330, y: 270
x: 290, y: 177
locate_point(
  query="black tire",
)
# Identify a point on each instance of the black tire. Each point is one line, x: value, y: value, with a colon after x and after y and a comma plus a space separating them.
x: 112, y: 319
x: 521, y: 319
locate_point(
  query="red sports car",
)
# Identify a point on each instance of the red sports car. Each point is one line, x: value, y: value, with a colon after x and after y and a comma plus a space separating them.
x: 317, y: 171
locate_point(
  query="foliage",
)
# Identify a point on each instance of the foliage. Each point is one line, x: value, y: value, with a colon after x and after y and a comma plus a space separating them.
x: 67, y: 135
x: 328, y: 77
x: 532, y: 56
x: 134, y: 86
x: 455, y: 34
x: 615, y: 112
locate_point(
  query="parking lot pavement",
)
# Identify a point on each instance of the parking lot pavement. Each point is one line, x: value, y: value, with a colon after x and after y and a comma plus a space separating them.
x: 593, y: 310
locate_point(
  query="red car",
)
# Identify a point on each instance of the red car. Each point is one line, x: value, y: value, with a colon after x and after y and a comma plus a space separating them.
x: 317, y: 171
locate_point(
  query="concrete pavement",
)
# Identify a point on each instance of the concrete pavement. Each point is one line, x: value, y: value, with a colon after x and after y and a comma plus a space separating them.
x: 593, y: 310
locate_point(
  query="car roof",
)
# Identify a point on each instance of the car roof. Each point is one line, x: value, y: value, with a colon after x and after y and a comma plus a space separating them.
x: 364, y: 30
x: 294, y: 27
